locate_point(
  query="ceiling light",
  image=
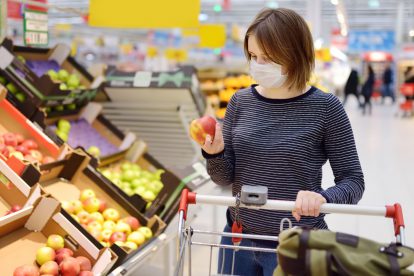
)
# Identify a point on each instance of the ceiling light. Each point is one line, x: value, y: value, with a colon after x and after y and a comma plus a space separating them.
x: 272, y: 5
x: 373, y: 3
x: 218, y: 8
x: 203, y: 17
x: 334, y: 2
x: 411, y: 33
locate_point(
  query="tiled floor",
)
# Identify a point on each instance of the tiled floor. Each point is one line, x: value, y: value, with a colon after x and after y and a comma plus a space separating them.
x: 386, y: 148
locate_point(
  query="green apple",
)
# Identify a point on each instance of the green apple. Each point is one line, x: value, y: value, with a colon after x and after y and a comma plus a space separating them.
x: 128, y: 175
x: 128, y: 191
x: 135, y: 167
x: 137, y: 237
x: 12, y: 88
x: 63, y: 86
x: 109, y: 224
x: 20, y: 97
x: 62, y: 135
x: 87, y: 193
x: 140, y: 190
x: 63, y: 75
x: 73, y: 81
x: 71, y: 106
x: 136, y: 183
x: 3, y: 80
x: 146, y: 232
x: 55, y: 241
x: 94, y: 151
x: 107, y: 174
x: 131, y: 245
x: 64, y: 125
x: 148, y: 195
x: 59, y: 108
x: 53, y: 75
x: 22, y: 59
x: 155, y: 186
x: 126, y: 166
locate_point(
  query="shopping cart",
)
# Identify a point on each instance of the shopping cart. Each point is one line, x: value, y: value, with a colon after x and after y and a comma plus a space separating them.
x: 250, y: 199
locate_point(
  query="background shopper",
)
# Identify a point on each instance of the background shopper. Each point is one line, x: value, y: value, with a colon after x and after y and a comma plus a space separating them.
x: 367, y: 90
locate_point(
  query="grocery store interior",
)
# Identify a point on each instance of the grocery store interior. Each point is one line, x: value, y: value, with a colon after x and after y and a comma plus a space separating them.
x: 102, y: 103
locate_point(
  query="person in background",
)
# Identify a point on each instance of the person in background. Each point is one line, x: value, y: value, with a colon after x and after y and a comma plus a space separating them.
x: 351, y: 86
x: 367, y: 90
x: 279, y: 133
x: 387, y: 90
x: 409, y: 78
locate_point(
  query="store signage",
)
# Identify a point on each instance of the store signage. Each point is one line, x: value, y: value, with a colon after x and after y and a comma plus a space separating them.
x: 362, y: 41
x: 144, y: 14
x: 212, y: 36
x: 35, y: 28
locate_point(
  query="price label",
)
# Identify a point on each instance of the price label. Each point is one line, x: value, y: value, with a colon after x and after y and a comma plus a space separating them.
x: 34, y: 38
x: 36, y: 29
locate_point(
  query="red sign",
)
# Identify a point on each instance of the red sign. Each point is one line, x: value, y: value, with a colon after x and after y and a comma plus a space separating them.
x: 37, y: 8
x: 14, y: 10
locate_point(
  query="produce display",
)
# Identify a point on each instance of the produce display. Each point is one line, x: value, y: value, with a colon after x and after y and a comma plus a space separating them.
x: 67, y: 81
x: 105, y: 224
x: 132, y: 180
x: 55, y: 259
x: 80, y: 133
x: 14, y: 144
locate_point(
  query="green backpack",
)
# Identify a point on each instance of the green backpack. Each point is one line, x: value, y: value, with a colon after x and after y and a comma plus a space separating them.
x: 322, y: 252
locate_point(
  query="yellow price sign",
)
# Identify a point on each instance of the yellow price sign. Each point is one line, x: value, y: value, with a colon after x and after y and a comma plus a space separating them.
x: 176, y: 54
x: 152, y: 51
x: 144, y: 14
x: 212, y: 36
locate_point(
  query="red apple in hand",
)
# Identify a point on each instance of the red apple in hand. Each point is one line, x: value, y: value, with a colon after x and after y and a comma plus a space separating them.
x: 199, y: 128
x: 69, y: 266
x: 50, y: 268
x: 26, y: 270
x: 84, y: 263
x: 30, y: 144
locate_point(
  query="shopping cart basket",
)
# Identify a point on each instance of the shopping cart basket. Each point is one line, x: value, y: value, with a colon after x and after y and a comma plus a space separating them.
x: 248, y: 198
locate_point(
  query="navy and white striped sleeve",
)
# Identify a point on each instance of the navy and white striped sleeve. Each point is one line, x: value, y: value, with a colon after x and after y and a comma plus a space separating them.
x: 341, y: 151
x: 220, y: 166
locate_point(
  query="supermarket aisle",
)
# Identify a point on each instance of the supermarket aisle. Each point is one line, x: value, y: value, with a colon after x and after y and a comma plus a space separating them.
x: 386, y: 148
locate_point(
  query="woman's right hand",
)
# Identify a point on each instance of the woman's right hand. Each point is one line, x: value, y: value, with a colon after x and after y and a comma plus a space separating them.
x: 215, y: 146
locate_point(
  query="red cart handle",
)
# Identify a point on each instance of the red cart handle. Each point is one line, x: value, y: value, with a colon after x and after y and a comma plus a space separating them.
x: 186, y: 198
x: 395, y: 212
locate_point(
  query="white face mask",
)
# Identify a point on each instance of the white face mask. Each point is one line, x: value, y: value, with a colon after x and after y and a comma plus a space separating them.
x: 267, y: 75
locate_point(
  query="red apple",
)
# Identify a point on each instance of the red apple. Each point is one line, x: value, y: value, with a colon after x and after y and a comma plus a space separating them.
x: 62, y: 254
x: 132, y: 222
x: 45, y: 254
x: 84, y: 217
x: 5, y: 151
x: 30, y: 144
x: 91, y: 204
x: 26, y: 270
x: 48, y: 159
x: 85, y: 273
x: 19, y: 138
x: 84, y: 263
x: 201, y: 127
x: 15, y: 208
x: 117, y: 236
x: 102, y: 205
x: 10, y: 139
x: 69, y: 267
x: 55, y: 241
x: 50, y: 268
x: 36, y: 155
x: 22, y: 149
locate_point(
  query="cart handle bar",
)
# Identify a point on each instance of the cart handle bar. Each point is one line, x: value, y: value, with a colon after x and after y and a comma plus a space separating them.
x: 389, y: 211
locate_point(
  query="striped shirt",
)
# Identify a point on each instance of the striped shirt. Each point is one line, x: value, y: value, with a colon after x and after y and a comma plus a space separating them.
x: 283, y: 144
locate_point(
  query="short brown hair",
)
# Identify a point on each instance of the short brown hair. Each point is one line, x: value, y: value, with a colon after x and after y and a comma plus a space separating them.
x: 285, y: 38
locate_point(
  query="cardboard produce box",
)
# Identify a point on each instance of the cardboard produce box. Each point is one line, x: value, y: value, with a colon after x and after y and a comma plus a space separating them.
x: 24, y: 232
x: 29, y: 66
x: 12, y: 121
x: 137, y: 155
x: 90, y: 128
x: 66, y: 179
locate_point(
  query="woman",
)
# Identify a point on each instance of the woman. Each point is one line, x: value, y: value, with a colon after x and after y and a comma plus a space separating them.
x: 367, y: 90
x: 279, y: 134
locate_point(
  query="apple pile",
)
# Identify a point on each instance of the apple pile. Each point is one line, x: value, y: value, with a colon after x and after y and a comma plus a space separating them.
x: 13, y: 209
x: 20, y: 96
x: 105, y: 224
x: 67, y: 81
x: 130, y: 178
x: 54, y: 259
x: 199, y: 129
x: 12, y: 144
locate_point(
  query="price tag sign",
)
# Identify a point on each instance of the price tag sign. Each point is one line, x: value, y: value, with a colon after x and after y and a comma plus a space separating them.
x: 36, y: 29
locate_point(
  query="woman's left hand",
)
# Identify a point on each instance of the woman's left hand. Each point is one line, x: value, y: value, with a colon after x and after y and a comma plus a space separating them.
x: 308, y: 204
